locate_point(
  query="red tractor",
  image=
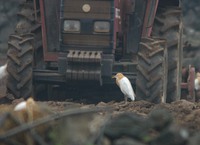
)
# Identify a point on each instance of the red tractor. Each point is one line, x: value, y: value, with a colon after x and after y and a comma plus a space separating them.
x: 69, y: 42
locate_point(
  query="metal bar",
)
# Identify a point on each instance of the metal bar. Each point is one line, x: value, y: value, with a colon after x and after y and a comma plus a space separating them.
x: 49, y: 76
x: 48, y: 56
x: 35, y: 10
x: 184, y: 85
x: 191, y: 79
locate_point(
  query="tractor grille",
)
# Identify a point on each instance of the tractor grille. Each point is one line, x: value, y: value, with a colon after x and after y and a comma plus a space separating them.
x: 99, y: 9
x: 92, y: 40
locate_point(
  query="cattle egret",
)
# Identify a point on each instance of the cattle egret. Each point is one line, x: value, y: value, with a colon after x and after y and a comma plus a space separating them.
x: 3, y: 71
x: 24, y: 104
x: 197, y: 82
x: 125, y: 86
x: 20, y: 106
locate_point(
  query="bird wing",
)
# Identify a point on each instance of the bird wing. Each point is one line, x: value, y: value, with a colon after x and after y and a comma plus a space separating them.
x: 126, y: 88
x: 20, y: 106
x: 3, y: 71
x: 197, y: 84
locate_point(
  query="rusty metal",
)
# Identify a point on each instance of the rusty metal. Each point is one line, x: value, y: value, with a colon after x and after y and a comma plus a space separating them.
x: 191, y: 79
x: 184, y: 73
x: 149, y: 17
x: 48, y: 56
x: 189, y: 85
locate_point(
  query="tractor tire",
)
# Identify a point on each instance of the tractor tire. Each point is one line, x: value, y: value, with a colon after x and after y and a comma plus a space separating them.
x: 151, y: 81
x: 29, y: 22
x: 168, y: 25
x: 20, y: 58
x: 23, y: 49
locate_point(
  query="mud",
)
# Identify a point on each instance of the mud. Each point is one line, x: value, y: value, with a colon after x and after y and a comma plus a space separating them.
x: 116, y: 123
x: 184, y: 113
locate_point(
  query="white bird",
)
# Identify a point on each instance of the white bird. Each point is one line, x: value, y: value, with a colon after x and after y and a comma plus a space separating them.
x: 197, y: 82
x: 30, y: 103
x: 22, y: 105
x: 3, y: 71
x: 125, y: 86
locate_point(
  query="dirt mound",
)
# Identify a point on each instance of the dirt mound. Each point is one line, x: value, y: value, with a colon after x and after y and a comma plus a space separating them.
x: 112, y: 123
x: 185, y: 113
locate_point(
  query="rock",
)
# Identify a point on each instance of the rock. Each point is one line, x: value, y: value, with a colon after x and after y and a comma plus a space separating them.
x: 160, y: 119
x: 130, y: 125
x: 101, y: 104
x: 127, y: 141
x: 78, y: 129
x: 126, y: 124
x: 193, y: 119
x: 184, y: 106
x: 104, y: 141
x: 172, y: 136
x: 184, y: 103
x: 194, y: 140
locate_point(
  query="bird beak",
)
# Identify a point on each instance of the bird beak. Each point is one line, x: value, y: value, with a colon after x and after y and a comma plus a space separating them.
x: 113, y: 77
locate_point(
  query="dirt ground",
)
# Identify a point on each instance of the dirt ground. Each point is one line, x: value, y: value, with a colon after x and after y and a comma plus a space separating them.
x: 185, y: 114
x: 184, y: 117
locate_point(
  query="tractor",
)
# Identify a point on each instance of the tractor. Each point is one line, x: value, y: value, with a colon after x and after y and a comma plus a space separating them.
x: 71, y: 42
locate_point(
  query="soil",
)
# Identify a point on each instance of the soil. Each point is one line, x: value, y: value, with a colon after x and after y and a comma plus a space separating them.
x: 184, y: 113
x: 184, y: 116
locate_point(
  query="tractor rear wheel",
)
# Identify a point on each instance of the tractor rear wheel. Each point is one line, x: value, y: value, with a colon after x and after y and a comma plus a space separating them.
x: 20, y: 58
x: 168, y: 25
x: 151, y: 82
x: 23, y: 49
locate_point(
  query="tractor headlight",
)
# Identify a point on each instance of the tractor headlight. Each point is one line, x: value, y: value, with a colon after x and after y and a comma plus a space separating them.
x: 71, y: 26
x: 101, y: 27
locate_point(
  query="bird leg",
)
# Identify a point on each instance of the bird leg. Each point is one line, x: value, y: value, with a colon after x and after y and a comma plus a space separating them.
x: 125, y: 99
x: 125, y: 102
